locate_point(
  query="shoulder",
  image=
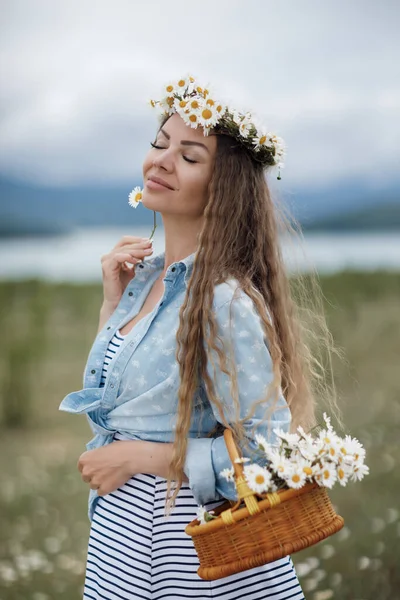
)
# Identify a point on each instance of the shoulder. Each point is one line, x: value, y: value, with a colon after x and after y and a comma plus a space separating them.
x: 230, y: 294
x: 230, y: 299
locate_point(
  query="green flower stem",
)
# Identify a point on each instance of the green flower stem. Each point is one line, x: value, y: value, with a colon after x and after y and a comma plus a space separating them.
x: 155, y: 225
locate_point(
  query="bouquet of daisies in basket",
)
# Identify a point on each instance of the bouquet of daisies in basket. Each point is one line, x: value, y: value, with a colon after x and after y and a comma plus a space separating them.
x: 298, y: 459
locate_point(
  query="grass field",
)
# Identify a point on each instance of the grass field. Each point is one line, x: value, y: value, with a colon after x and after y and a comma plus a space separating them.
x: 47, y: 330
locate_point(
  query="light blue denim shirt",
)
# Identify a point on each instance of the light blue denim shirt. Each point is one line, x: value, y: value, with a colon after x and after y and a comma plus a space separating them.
x: 140, y: 396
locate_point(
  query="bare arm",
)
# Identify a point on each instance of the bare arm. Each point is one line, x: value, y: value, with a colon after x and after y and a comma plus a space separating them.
x: 152, y: 457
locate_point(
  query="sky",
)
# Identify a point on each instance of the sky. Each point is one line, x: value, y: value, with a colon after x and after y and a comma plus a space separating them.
x: 76, y: 77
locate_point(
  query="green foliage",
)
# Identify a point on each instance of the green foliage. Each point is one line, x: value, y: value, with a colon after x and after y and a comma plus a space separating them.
x: 43, y: 519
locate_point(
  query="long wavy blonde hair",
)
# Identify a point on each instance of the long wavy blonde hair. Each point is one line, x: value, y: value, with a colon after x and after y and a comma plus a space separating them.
x: 240, y: 239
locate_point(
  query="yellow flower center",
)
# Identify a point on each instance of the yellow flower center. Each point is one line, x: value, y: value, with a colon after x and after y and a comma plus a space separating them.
x: 307, y: 470
x: 191, y: 79
x: 138, y: 196
x: 332, y: 451
x: 181, y: 83
x: 199, y: 90
x: 210, y: 102
x: 326, y: 474
x: 343, y: 450
x: 260, y: 478
x: 170, y: 88
x: 193, y: 118
x: 219, y: 108
x: 182, y: 103
x: 340, y: 473
x: 263, y: 139
x: 206, y: 113
x: 170, y: 101
x: 296, y: 478
x: 152, y: 102
x: 194, y: 104
x: 206, y: 92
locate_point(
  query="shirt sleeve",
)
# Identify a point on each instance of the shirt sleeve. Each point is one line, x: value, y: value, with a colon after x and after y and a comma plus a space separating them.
x: 207, y: 457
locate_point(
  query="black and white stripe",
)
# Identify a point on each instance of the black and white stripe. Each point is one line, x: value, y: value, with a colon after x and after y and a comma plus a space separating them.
x: 113, y: 346
x: 135, y: 552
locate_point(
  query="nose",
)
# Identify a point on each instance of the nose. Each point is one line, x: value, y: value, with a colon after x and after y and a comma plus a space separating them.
x: 164, y: 160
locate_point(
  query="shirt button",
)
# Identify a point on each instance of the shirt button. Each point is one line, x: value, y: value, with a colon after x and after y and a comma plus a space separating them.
x: 111, y: 385
x: 109, y: 327
x: 130, y: 294
x: 141, y: 266
x: 161, y: 303
x: 93, y: 371
x: 173, y: 269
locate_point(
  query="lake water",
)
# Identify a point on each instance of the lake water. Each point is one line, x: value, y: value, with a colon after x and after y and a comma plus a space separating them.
x: 76, y: 256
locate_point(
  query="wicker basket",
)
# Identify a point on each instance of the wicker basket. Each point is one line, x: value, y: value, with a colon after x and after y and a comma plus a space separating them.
x: 265, y: 528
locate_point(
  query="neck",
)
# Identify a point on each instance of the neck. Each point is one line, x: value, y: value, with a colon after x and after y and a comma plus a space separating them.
x: 181, y: 238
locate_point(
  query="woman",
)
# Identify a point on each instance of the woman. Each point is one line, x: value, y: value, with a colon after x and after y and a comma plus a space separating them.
x: 157, y: 383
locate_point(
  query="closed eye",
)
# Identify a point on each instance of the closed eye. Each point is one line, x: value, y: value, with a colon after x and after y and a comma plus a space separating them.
x: 162, y: 148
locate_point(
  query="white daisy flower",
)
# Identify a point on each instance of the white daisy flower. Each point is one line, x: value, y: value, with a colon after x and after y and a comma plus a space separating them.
x: 181, y: 106
x: 203, y: 516
x: 169, y: 89
x: 305, y: 436
x: 135, y: 197
x: 182, y: 84
x: 245, y: 127
x: 167, y: 104
x: 261, y: 139
x: 258, y: 478
x: 261, y: 441
x: 351, y: 446
x: 280, y: 464
x: 296, y: 478
x: 359, y: 470
x: 228, y: 474
x: 288, y: 438
x: 208, y: 116
x: 331, y: 443
x: 343, y: 473
x: 191, y: 117
x: 309, y: 450
x: 326, y: 475
x: 306, y: 467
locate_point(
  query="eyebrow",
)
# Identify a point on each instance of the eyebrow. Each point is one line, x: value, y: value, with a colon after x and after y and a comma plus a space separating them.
x: 185, y: 142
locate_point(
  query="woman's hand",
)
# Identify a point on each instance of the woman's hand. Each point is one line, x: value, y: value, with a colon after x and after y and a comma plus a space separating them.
x: 107, y: 468
x: 116, y: 272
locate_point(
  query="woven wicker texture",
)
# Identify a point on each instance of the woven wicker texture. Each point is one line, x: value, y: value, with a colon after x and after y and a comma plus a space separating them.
x: 264, y: 529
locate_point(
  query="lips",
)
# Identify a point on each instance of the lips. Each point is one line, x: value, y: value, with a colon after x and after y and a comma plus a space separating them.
x: 160, y: 181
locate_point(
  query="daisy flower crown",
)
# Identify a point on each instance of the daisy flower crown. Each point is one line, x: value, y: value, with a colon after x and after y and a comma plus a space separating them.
x: 198, y: 107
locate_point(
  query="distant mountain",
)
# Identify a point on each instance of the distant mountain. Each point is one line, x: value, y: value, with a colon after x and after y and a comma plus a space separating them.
x: 383, y: 217
x: 26, y: 208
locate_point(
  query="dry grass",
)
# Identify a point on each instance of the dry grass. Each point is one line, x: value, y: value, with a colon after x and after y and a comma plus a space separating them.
x: 43, y: 502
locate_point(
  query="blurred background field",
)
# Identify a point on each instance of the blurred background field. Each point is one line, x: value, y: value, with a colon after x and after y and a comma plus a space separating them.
x: 43, y: 501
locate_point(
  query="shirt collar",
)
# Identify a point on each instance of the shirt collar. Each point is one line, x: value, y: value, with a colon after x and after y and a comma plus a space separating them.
x: 157, y: 262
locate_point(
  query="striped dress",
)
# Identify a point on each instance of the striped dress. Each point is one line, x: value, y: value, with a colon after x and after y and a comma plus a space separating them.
x: 135, y: 552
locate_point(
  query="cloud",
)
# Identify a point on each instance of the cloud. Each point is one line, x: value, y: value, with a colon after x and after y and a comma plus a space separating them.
x: 76, y: 77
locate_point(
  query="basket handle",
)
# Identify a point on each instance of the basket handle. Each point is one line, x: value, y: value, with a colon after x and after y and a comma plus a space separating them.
x: 243, y: 490
x: 233, y: 451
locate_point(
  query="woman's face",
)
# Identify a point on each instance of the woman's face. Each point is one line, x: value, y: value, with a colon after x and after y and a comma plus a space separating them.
x: 184, y: 159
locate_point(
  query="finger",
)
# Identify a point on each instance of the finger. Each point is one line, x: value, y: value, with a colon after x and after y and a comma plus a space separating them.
x: 129, y: 239
x: 121, y: 257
